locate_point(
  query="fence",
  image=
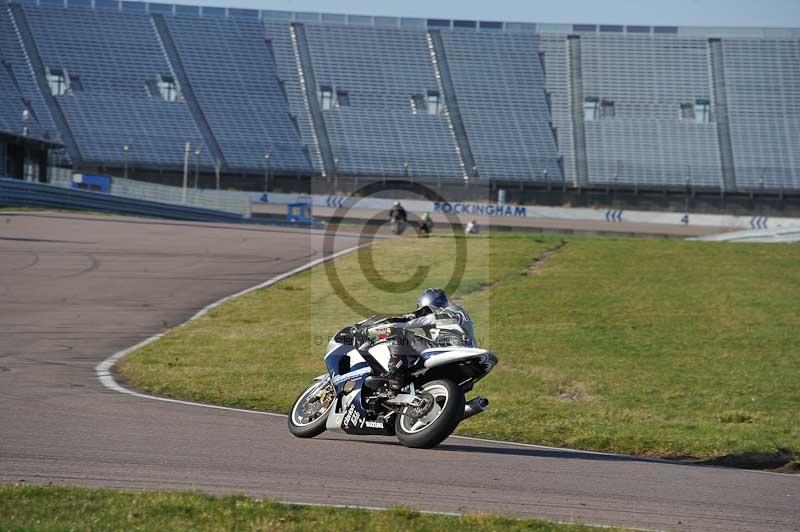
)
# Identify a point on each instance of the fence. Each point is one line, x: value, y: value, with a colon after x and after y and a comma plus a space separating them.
x: 218, y: 200
x: 22, y: 193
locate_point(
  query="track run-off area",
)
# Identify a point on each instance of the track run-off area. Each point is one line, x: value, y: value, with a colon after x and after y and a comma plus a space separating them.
x: 75, y: 289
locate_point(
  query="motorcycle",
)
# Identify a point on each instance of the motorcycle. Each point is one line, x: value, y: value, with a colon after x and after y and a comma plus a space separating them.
x: 397, y: 226
x: 352, y: 397
x: 425, y: 227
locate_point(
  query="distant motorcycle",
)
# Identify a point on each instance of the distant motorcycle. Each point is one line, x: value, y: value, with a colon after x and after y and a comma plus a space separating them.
x: 397, y: 226
x: 425, y: 225
x: 351, y: 397
x: 398, y: 219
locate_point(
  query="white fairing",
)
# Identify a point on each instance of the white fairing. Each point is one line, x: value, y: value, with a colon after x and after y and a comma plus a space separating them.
x: 438, y: 356
x: 435, y: 356
x: 379, y: 351
x: 336, y: 415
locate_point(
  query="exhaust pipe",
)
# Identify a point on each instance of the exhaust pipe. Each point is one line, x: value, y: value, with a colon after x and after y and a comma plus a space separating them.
x: 475, y: 407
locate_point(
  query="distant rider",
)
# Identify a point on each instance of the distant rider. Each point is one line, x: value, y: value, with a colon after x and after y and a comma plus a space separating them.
x: 425, y: 224
x: 443, y: 324
x: 397, y: 213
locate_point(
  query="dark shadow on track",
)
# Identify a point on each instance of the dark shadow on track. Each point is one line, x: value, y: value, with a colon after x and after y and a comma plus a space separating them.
x: 780, y: 462
x: 525, y: 451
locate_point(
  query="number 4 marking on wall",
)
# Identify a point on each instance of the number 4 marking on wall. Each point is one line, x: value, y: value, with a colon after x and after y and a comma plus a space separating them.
x: 685, y: 219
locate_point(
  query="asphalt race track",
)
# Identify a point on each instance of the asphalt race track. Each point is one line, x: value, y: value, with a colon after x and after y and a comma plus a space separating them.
x: 75, y: 289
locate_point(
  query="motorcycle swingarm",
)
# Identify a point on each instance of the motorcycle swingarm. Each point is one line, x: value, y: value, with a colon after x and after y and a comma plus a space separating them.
x: 405, y: 399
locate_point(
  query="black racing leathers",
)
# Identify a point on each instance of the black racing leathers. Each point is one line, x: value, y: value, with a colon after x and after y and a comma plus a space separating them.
x: 449, y: 326
x: 397, y: 212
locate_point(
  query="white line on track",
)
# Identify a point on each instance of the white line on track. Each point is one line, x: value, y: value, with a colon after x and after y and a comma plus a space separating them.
x: 103, y: 369
x: 104, y: 374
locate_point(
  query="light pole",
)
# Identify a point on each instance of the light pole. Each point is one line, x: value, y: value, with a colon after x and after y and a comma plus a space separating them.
x: 336, y: 173
x: 688, y: 193
x: 196, y: 166
x: 217, y: 166
x: 267, y: 158
x: 186, y: 151
x: 125, y: 161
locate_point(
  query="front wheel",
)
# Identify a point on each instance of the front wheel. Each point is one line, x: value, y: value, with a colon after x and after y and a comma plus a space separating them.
x: 309, y: 413
x: 427, y: 426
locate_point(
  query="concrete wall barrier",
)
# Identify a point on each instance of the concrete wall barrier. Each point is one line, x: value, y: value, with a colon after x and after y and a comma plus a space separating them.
x: 219, y: 200
x: 497, y: 210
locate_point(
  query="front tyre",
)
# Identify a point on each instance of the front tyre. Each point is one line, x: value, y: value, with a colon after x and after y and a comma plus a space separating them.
x: 428, y: 427
x: 309, y: 413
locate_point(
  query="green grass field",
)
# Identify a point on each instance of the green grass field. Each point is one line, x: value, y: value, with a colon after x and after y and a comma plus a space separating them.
x: 51, y: 508
x: 649, y: 347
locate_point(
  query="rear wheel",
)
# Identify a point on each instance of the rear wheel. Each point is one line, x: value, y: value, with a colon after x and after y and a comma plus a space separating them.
x: 427, y: 426
x: 309, y: 413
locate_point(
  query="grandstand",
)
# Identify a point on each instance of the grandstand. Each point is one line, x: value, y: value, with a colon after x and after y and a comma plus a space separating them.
x: 572, y: 106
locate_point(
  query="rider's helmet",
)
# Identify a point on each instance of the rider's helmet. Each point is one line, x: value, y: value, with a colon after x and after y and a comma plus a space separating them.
x: 425, y: 216
x: 396, y: 203
x: 433, y: 297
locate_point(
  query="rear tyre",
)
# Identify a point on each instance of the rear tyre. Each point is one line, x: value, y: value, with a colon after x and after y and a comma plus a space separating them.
x: 430, y: 427
x: 309, y: 413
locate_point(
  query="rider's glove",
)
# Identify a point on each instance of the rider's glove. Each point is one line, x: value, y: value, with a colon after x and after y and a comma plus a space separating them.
x: 360, y: 336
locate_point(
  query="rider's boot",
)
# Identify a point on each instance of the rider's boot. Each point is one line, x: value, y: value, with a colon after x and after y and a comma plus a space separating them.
x: 394, y: 378
x: 396, y: 374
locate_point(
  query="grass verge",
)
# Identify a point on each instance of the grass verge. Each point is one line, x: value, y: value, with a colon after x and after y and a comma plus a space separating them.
x: 650, y: 347
x: 60, y: 508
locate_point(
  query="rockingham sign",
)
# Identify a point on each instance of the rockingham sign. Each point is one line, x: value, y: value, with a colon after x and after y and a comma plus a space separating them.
x: 481, y: 209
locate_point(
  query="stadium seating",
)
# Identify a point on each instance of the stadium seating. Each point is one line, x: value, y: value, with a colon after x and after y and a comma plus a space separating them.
x: 234, y: 78
x: 13, y: 105
x: 280, y: 40
x: 114, y: 55
x: 500, y: 86
x: 380, y: 69
x: 648, y: 77
x: 763, y: 84
x: 17, y: 83
x: 581, y: 104
x: 155, y: 131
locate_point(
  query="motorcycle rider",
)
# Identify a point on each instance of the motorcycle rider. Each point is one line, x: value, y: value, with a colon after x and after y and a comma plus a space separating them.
x: 397, y: 213
x: 425, y: 224
x: 443, y: 324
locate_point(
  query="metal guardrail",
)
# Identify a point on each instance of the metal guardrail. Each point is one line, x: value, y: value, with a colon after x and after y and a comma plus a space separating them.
x: 22, y: 193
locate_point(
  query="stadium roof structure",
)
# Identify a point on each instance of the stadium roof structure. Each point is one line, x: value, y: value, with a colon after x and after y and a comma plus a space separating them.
x: 25, y: 139
x: 271, y: 15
